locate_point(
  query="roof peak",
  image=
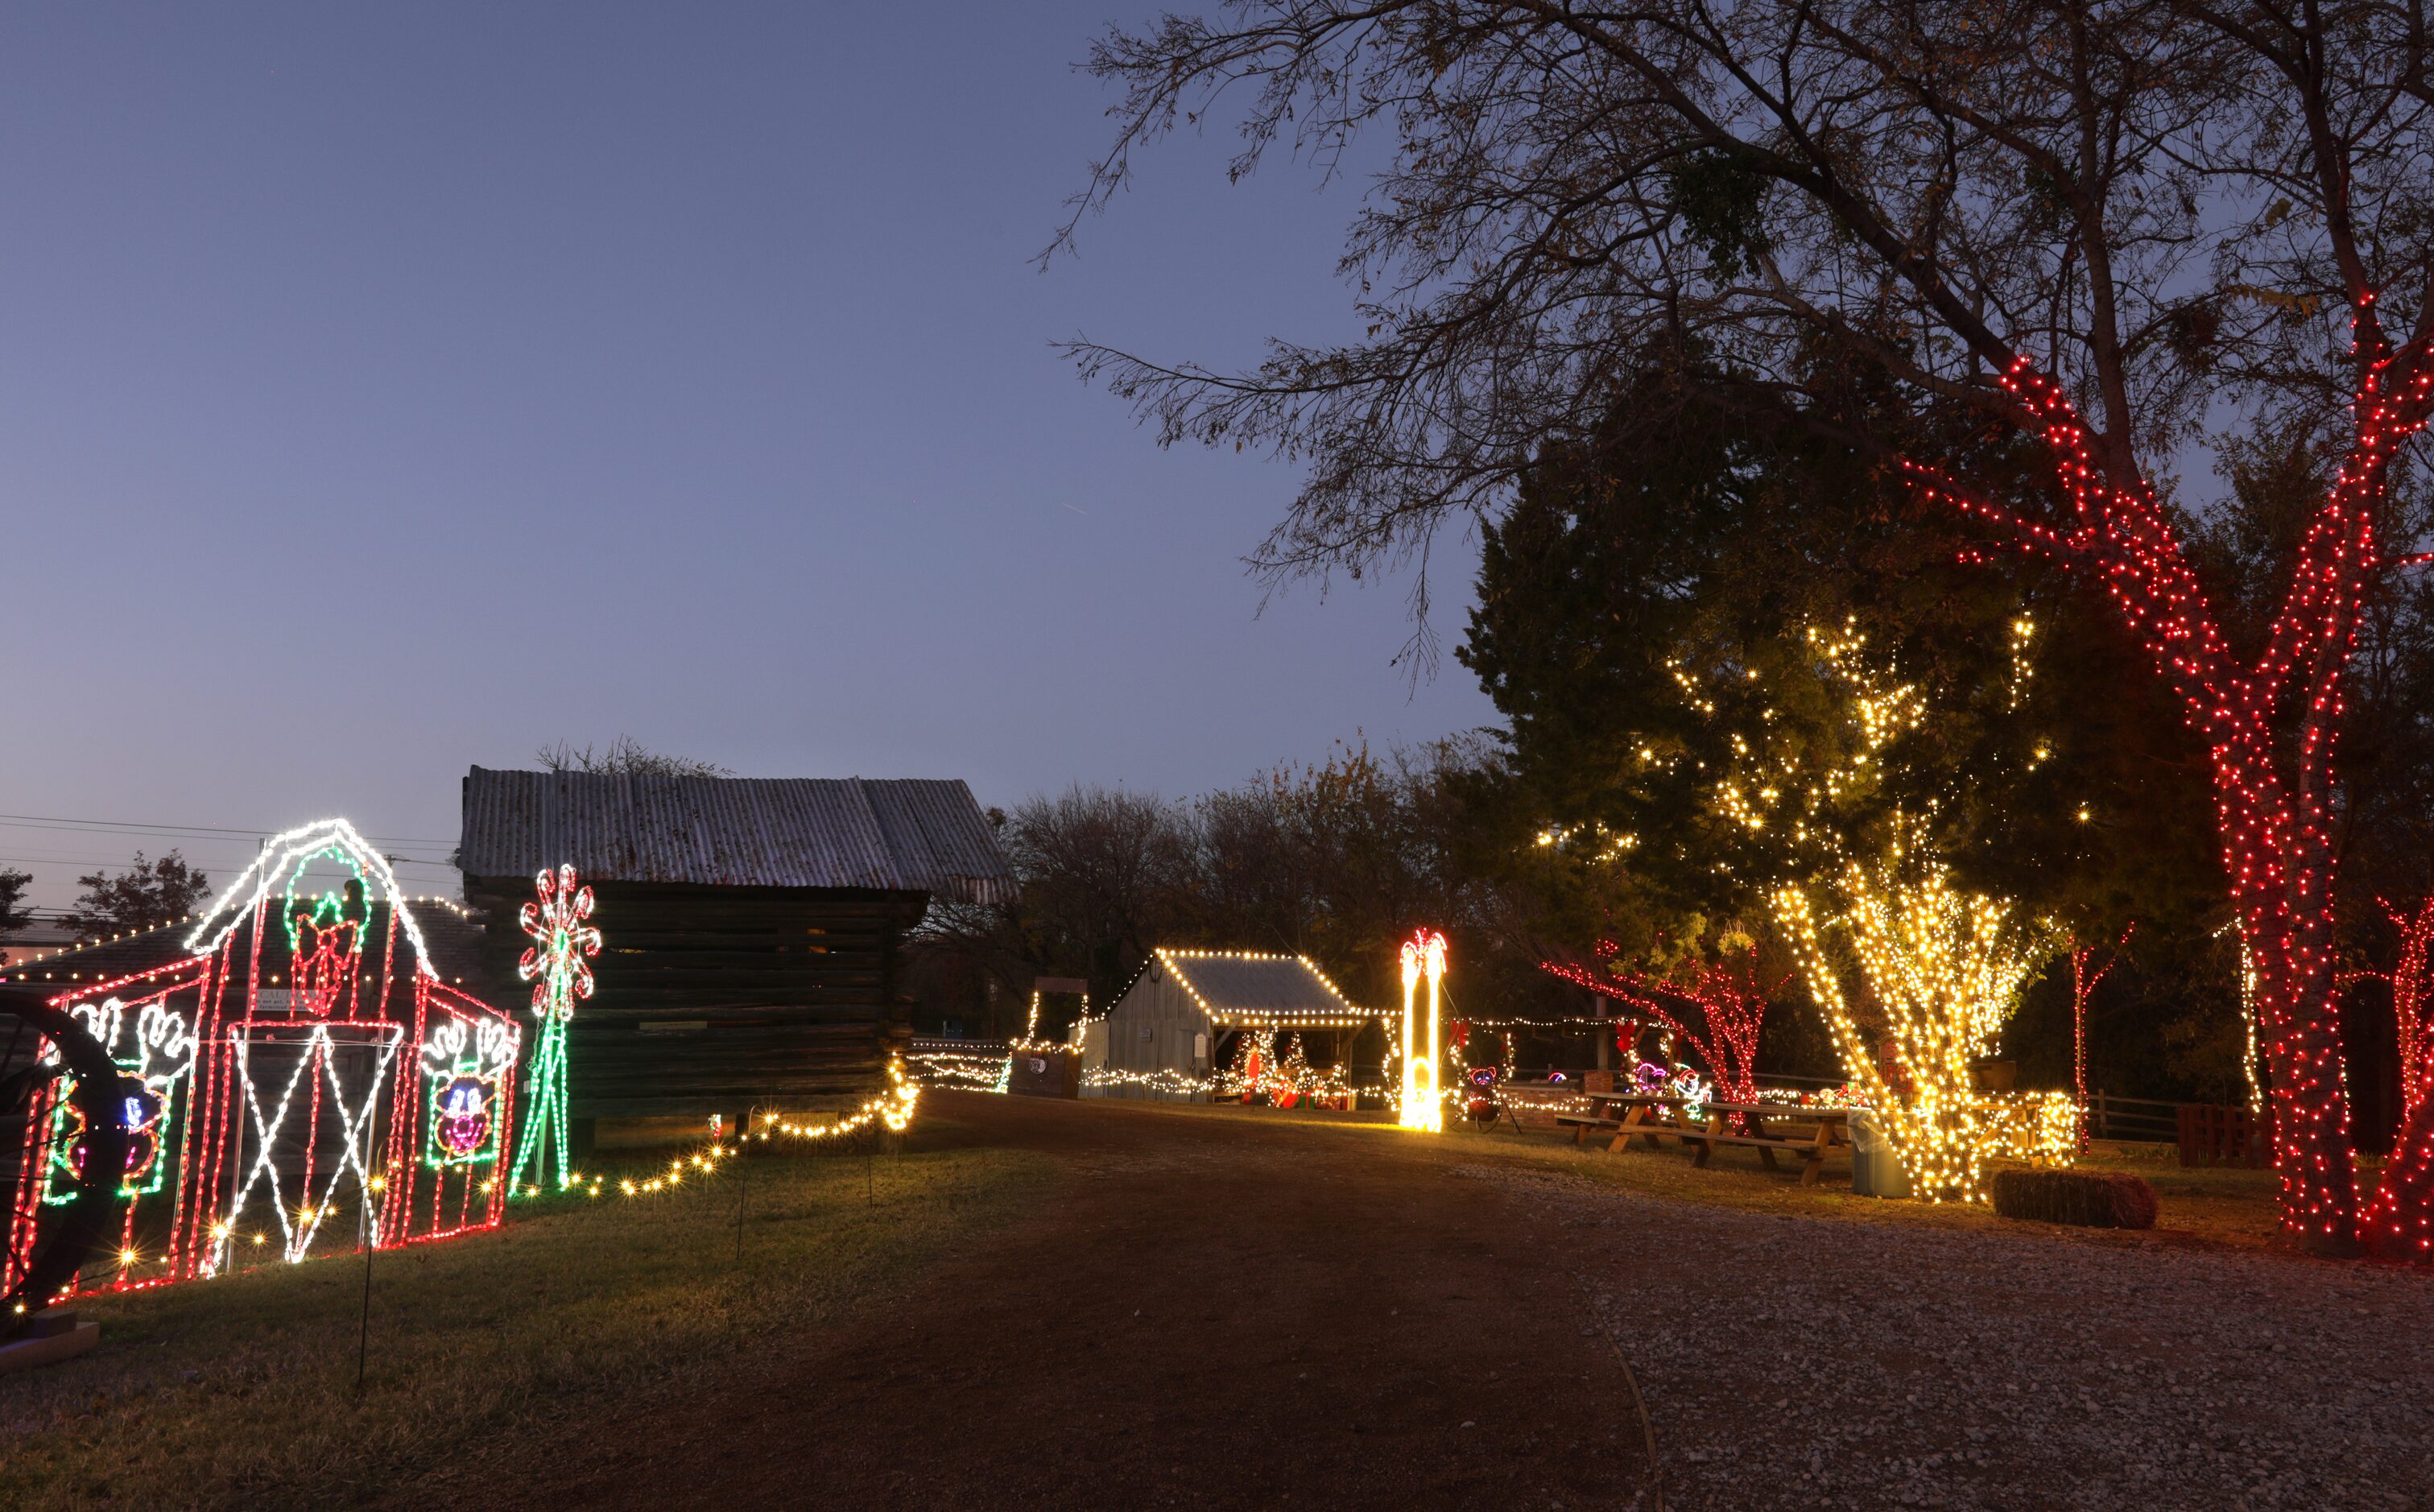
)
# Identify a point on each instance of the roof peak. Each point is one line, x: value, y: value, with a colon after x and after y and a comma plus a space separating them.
x: 894, y: 835
x: 1257, y: 983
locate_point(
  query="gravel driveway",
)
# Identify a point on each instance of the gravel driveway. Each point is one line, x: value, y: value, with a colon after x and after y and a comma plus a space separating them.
x: 1242, y: 1309
x: 1799, y: 1362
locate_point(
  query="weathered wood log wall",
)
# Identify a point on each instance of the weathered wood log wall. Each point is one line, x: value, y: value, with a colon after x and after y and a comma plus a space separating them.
x: 717, y: 999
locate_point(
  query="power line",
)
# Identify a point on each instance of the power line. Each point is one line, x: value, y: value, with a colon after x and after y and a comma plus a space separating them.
x: 97, y: 861
x: 48, y: 821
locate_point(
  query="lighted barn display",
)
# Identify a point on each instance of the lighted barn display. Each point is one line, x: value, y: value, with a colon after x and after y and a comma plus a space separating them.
x: 296, y: 1052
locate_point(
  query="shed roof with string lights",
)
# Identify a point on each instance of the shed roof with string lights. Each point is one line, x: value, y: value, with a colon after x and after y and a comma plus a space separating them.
x: 1184, y: 1003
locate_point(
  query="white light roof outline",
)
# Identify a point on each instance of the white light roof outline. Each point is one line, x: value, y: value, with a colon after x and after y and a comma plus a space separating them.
x: 281, y: 851
x: 1283, y: 1018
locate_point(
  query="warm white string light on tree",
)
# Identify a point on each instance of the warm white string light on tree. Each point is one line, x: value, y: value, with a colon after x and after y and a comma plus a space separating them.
x: 1941, y: 967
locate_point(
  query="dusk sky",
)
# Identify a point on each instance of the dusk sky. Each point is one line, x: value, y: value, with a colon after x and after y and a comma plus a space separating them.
x: 387, y: 390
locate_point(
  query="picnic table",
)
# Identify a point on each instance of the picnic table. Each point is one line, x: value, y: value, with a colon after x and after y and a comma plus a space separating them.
x: 1829, y: 1127
x: 1614, y: 1109
x: 1652, y: 1116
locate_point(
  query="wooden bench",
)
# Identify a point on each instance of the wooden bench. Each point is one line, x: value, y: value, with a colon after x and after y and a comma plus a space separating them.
x: 1580, y: 1124
x: 1812, y: 1150
x: 1602, y: 1116
x: 1645, y: 1118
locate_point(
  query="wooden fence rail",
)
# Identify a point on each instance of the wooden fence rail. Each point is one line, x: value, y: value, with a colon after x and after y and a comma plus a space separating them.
x: 2131, y: 1118
x: 2214, y: 1135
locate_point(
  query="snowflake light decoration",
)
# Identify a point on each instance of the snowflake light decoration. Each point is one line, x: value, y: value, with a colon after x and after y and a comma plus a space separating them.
x: 555, y: 966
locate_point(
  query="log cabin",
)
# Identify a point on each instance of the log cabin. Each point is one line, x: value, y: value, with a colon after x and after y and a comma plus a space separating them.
x: 753, y: 928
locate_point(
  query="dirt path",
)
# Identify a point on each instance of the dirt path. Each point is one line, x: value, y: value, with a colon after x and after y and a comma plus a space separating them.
x: 1212, y: 1312
x: 1236, y: 1309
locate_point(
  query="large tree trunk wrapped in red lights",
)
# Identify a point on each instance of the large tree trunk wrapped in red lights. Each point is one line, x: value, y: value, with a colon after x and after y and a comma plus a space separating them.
x: 2413, y: 1006
x: 2269, y: 725
x: 2401, y: 1219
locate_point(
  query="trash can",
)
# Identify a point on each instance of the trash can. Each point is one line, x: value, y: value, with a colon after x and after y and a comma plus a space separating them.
x: 1044, y: 1071
x: 1875, y: 1170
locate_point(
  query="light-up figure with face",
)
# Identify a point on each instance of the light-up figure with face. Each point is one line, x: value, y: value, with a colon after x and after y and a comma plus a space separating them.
x: 1424, y: 954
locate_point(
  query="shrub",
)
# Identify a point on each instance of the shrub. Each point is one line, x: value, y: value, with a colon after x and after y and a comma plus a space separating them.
x: 2094, y: 1199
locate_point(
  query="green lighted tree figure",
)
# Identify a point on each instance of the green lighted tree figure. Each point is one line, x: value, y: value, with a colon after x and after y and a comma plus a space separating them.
x: 554, y: 966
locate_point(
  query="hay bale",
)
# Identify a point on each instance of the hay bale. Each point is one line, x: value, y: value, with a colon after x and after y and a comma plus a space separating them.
x: 2092, y: 1199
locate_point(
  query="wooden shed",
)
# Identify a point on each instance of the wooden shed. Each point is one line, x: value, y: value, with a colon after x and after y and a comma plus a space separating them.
x: 1176, y: 1023
x: 753, y: 927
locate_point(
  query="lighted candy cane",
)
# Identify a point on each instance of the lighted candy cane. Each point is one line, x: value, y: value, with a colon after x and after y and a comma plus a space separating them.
x: 555, y: 966
x: 1424, y: 954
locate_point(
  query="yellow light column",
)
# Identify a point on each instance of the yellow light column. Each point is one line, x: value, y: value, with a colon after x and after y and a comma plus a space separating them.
x: 1424, y: 954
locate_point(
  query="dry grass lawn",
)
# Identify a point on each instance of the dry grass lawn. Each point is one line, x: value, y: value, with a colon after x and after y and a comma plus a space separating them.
x: 242, y: 1391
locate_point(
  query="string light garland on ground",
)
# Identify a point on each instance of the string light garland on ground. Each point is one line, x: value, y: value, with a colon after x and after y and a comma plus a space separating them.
x: 892, y: 1109
x: 1173, y: 1083
x: 973, y: 1070
x: 557, y: 966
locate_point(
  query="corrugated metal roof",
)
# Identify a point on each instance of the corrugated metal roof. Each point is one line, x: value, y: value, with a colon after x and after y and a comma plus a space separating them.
x: 906, y: 836
x: 1235, y: 982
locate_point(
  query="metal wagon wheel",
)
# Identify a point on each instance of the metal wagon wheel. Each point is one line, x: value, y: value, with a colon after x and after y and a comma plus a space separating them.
x: 83, y: 1221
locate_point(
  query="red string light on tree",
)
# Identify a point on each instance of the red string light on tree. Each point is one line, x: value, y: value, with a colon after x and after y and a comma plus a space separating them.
x: 1718, y: 1008
x: 2082, y: 987
x: 2412, y: 1003
x: 2269, y: 725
